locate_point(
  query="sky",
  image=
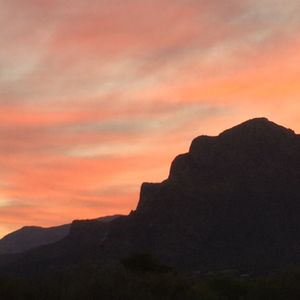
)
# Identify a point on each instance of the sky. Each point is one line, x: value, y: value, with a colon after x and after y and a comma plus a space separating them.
x: 97, y: 97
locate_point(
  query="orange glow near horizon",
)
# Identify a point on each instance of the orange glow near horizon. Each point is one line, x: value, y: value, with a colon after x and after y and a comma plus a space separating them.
x: 97, y: 97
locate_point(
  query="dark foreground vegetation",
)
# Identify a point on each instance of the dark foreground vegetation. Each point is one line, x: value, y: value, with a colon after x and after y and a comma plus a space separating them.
x: 148, y: 281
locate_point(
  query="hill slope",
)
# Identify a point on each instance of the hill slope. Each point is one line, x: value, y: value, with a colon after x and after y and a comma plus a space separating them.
x: 29, y: 237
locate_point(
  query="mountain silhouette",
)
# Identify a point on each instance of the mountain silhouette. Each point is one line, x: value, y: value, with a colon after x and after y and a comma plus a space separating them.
x: 231, y: 202
x: 29, y: 237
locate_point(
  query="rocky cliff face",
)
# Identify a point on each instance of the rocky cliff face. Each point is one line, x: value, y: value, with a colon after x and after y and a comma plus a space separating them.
x: 232, y: 201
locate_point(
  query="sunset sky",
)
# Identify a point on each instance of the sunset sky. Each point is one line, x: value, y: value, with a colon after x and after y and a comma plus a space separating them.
x: 98, y: 96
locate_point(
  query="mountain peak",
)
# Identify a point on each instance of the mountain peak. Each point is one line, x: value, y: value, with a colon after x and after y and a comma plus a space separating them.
x: 258, y: 126
x: 257, y: 138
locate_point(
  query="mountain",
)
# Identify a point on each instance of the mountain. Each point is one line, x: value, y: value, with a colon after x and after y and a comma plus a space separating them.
x: 231, y: 202
x: 29, y: 237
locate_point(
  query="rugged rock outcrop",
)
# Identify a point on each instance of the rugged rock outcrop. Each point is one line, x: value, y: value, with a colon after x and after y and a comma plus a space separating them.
x: 232, y: 201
